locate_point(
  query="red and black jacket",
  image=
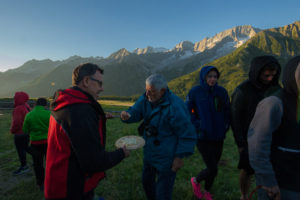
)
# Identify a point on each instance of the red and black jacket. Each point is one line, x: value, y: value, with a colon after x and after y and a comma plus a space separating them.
x: 76, y: 156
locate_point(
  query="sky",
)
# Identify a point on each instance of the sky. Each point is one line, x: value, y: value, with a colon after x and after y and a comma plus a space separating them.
x: 58, y: 29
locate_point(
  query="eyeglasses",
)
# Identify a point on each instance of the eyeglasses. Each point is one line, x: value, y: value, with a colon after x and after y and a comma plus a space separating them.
x: 99, y: 82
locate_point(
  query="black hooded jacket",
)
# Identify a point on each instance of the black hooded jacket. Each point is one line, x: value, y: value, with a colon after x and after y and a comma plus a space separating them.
x: 274, y: 135
x: 247, y: 95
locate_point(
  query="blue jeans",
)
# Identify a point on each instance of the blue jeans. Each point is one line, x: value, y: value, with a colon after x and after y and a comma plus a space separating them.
x: 284, y: 195
x: 158, y: 185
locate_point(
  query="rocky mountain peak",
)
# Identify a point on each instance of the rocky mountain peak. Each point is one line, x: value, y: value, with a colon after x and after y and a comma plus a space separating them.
x: 75, y: 57
x: 184, y: 46
x: 234, y: 37
x: 291, y: 30
x: 139, y: 51
x: 120, y: 54
x: 149, y: 49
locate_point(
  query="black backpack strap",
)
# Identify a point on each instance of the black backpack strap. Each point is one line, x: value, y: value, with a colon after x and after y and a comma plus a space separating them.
x: 148, y: 120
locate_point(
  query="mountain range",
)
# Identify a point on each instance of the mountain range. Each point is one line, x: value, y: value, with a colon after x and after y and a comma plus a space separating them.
x: 283, y: 43
x: 125, y: 72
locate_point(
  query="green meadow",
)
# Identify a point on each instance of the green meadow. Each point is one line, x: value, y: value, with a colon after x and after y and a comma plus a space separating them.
x: 122, y: 182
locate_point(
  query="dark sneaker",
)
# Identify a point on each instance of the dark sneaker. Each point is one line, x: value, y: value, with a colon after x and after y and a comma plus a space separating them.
x: 21, y: 170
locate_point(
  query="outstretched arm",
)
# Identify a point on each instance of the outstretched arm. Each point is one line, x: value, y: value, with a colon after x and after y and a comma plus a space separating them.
x: 134, y: 113
x: 266, y: 120
x: 84, y: 136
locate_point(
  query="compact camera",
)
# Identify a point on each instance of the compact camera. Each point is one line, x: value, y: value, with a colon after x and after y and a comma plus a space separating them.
x: 151, y: 131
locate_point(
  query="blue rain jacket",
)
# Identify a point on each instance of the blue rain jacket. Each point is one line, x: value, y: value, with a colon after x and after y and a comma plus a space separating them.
x: 209, y: 108
x: 176, y: 134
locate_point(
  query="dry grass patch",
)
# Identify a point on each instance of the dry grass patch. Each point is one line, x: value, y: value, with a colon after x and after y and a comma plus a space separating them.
x: 116, y: 103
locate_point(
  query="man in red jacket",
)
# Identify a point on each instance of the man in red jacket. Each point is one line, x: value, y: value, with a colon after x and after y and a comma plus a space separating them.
x: 76, y: 156
x: 21, y: 108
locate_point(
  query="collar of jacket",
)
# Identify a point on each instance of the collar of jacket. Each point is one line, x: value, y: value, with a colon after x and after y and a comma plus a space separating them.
x: 161, y: 104
x: 38, y: 107
x: 164, y: 100
x: 95, y: 103
x: 74, y: 95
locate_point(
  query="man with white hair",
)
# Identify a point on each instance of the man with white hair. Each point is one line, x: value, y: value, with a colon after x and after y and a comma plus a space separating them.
x: 168, y: 132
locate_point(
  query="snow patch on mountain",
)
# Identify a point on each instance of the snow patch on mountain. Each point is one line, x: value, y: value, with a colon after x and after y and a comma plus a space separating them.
x: 241, y: 41
x: 239, y: 35
x: 229, y: 46
x: 149, y: 49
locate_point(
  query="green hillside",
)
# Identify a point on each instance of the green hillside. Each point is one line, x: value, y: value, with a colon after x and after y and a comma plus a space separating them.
x: 59, y: 78
x: 120, y: 77
x: 283, y: 43
x: 13, y: 79
x: 125, y: 72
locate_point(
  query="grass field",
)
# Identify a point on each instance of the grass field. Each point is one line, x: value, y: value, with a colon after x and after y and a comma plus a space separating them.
x: 123, y: 182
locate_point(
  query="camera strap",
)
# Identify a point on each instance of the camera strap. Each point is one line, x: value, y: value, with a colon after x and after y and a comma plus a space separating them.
x: 148, y: 120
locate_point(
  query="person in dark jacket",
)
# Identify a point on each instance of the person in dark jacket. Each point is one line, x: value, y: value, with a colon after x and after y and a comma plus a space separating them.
x: 76, y: 156
x: 21, y: 139
x: 169, y: 135
x: 263, y: 81
x: 209, y: 108
x: 36, y: 124
x: 274, y: 139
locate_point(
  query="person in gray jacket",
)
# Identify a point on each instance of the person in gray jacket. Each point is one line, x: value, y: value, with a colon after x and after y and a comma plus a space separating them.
x: 274, y: 139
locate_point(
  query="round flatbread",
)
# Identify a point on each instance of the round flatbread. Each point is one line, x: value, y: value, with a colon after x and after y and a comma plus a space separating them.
x: 131, y: 142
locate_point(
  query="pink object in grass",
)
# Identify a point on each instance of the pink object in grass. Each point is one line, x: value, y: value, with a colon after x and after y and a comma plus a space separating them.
x: 196, y: 188
x: 207, y: 196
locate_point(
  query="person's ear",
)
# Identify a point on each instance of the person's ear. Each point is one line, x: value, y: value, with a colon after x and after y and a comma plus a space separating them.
x: 85, y: 81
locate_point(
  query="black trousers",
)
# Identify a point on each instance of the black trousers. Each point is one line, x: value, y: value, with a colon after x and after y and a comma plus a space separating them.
x: 211, y: 152
x: 21, y: 143
x: 38, y: 153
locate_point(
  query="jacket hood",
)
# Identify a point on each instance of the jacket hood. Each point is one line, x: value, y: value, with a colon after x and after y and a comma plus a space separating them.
x: 288, y: 76
x: 202, y: 76
x: 74, y: 95
x: 20, y: 98
x: 257, y: 65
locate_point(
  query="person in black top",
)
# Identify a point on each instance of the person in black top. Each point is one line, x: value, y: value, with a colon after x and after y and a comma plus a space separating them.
x: 263, y: 81
x: 274, y: 139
